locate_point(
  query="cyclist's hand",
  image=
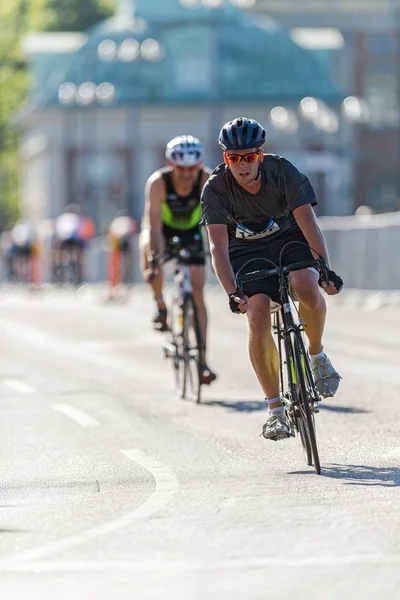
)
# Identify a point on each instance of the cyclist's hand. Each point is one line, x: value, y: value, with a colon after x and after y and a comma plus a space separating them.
x: 150, y: 274
x: 237, y: 304
x: 335, y: 283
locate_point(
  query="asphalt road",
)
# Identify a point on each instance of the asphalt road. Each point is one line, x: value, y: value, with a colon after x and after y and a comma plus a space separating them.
x: 111, y: 487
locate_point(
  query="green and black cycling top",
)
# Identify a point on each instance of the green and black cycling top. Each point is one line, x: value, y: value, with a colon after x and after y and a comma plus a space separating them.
x: 181, y: 212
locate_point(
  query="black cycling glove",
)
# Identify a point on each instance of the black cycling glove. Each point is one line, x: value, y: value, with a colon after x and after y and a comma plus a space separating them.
x: 336, y: 280
x: 233, y: 305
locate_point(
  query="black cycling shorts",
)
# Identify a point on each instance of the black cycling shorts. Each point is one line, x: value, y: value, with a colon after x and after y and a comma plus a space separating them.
x: 270, y: 250
x: 124, y: 244
x: 188, y: 241
x: 22, y: 250
x: 70, y: 244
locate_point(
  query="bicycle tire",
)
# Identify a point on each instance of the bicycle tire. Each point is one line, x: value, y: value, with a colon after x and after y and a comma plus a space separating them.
x: 290, y: 377
x: 175, y: 347
x: 306, y: 414
x: 191, y: 347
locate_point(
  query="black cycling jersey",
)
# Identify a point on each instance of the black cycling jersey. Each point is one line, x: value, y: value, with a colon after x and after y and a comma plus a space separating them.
x: 255, y: 220
x: 181, y: 212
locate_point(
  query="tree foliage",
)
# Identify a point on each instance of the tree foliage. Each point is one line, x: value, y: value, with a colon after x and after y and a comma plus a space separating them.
x: 17, y: 18
x: 76, y: 15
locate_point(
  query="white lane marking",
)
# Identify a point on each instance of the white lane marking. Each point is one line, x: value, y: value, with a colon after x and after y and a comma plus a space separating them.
x: 395, y: 453
x: 76, y: 415
x: 193, y: 565
x: 19, y: 386
x: 166, y: 487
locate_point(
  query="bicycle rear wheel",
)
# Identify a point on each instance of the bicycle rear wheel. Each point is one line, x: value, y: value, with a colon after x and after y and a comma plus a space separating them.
x: 305, y: 418
x: 191, y: 347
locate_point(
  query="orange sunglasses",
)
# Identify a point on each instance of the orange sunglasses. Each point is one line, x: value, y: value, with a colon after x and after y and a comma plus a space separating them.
x: 249, y: 158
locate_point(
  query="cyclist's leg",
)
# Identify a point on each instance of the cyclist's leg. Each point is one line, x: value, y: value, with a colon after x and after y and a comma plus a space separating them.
x: 313, y: 313
x: 305, y: 285
x: 263, y: 353
x: 312, y: 306
x: 264, y: 357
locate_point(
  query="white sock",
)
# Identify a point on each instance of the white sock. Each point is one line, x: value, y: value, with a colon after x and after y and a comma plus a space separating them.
x: 279, y: 410
x: 317, y: 356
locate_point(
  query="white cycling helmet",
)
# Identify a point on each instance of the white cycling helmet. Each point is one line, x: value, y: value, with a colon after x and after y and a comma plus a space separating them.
x: 185, y: 151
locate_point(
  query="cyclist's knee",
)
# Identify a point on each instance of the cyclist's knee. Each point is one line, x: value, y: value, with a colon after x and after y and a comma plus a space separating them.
x: 305, y: 286
x: 259, y: 312
x: 198, y: 275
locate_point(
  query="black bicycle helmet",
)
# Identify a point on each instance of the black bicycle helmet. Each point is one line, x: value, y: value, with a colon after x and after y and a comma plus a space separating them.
x: 241, y: 134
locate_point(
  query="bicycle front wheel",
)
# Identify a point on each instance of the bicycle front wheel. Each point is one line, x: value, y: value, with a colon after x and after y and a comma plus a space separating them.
x: 191, y: 347
x: 174, y: 348
x: 305, y: 407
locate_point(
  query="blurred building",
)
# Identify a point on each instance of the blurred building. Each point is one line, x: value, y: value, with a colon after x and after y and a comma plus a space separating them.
x: 370, y: 36
x: 104, y: 104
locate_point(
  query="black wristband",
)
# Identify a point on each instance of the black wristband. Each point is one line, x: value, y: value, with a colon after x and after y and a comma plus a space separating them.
x: 335, y: 279
x: 233, y: 305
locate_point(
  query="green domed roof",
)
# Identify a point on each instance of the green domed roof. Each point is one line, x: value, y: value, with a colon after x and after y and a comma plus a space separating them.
x: 206, y: 55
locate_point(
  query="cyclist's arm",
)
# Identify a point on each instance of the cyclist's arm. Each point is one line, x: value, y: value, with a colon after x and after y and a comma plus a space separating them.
x: 219, y: 244
x: 307, y: 221
x: 154, y: 195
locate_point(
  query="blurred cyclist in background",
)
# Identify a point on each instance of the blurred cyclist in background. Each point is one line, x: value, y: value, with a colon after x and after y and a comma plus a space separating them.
x: 121, y: 230
x: 21, y: 248
x: 72, y: 232
x: 172, y: 208
x: 120, y: 243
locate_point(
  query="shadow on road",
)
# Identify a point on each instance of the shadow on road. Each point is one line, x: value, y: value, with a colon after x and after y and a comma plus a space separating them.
x: 13, y: 531
x: 360, y: 475
x: 363, y: 475
x: 259, y: 405
x: 343, y: 409
x: 239, y: 406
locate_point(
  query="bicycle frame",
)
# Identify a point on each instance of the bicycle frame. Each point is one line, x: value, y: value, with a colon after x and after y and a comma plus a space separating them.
x: 182, y: 276
x: 179, y: 346
x: 182, y: 279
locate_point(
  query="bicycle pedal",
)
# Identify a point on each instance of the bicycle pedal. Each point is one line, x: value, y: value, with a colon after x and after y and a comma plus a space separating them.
x: 315, y: 408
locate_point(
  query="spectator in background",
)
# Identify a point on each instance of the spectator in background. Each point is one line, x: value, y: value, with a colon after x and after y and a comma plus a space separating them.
x: 120, y: 243
x: 72, y: 233
x: 20, y: 251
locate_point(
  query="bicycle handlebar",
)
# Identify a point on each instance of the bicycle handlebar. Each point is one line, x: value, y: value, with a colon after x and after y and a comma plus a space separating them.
x: 263, y: 273
x: 181, y: 254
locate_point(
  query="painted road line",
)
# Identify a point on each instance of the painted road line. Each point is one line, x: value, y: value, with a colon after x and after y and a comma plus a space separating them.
x: 183, y: 565
x: 76, y: 415
x: 167, y: 486
x: 18, y: 386
x: 395, y: 453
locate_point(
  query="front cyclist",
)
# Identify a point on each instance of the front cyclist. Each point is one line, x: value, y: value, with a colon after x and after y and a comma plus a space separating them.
x: 172, y: 208
x: 253, y: 205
